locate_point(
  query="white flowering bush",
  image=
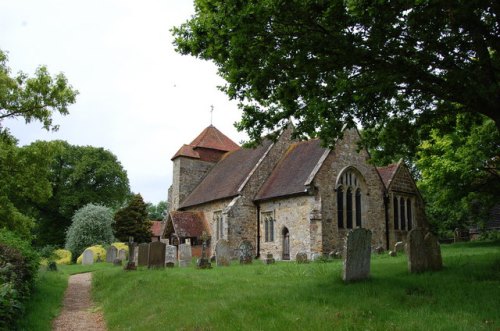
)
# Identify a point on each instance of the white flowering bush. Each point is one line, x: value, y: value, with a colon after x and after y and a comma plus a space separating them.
x: 91, y: 225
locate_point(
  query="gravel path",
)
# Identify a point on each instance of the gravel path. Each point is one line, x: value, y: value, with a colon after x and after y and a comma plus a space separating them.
x: 77, y: 314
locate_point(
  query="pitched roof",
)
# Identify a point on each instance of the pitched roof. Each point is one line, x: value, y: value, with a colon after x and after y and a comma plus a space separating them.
x: 292, y: 173
x: 387, y: 173
x: 156, y: 228
x: 188, y: 223
x: 225, y: 178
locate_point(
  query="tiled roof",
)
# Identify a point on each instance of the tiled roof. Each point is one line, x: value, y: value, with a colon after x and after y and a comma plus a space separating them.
x: 289, y: 177
x: 387, y: 173
x: 156, y: 228
x: 187, y: 151
x: 189, y: 223
x: 225, y: 178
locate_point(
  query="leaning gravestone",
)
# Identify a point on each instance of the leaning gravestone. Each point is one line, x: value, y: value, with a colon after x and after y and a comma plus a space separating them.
x: 88, y: 257
x: 111, y: 253
x: 122, y: 254
x: 433, y: 252
x: 156, y: 255
x: 170, y: 255
x: 246, y: 252
x: 357, y: 255
x: 185, y: 255
x: 222, y: 253
x: 415, y: 248
x: 143, y: 257
x: 301, y: 257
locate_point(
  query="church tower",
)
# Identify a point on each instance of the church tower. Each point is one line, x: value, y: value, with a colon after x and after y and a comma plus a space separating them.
x: 192, y: 162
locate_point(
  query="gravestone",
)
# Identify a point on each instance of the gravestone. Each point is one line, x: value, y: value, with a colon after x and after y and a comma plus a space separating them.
x: 393, y: 253
x: 269, y: 259
x: 156, y: 255
x: 222, y: 253
x: 379, y: 250
x: 136, y: 255
x: 357, y: 255
x: 301, y: 257
x: 143, y: 257
x: 111, y: 253
x: 204, y: 262
x: 399, y: 247
x: 122, y: 254
x: 88, y: 257
x: 433, y: 252
x: 170, y: 255
x: 117, y: 262
x: 246, y: 252
x: 415, y: 248
x: 185, y: 255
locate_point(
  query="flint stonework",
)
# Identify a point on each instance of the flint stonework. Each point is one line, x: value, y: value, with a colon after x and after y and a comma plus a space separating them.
x: 156, y: 255
x: 357, y: 255
x: 185, y: 255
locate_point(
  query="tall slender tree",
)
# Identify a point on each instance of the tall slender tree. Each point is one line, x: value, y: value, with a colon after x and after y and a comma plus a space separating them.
x: 132, y: 220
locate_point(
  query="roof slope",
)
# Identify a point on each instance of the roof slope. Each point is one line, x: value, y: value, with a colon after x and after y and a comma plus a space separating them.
x: 156, y: 228
x: 188, y: 223
x: 292, y: 172
x: 387, y: 173
x: 225, y: 178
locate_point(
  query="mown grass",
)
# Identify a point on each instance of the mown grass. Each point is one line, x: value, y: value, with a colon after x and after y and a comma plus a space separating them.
x: 46, y: 300
x: 288, y: 296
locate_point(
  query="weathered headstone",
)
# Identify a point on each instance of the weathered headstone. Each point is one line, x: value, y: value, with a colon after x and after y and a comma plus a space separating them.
x: 415, y: 248
x: 136, y: 255
x: 143, y: 257
x: 246, y: 252
x: 111, y: 253
x: 204, y: 262
x: 122, y: 254
x: 222, y: 253
x: 399, y: 247
x: 185, y: 255
x: 433, y: 252
x: 301, y: 257
x: 88, y: 257
x: 269, y: 259
x: 156, y: 255
x: 117, y: 262
x: 170, y: 255
x: 357, y: 255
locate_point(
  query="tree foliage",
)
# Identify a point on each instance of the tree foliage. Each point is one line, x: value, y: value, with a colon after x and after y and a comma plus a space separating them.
x: 326, y: 64
x: 460, y: 177
x: 79, y: 175
x: 158, y: 211
x: 132, y: 220
x: 34, y: 98
x: 91, y: 225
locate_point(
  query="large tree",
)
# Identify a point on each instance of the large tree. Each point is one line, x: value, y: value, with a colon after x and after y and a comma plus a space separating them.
x: 326, y: 64
x: 78, y: 175
x: 132, y: 221
x: 34, y: 98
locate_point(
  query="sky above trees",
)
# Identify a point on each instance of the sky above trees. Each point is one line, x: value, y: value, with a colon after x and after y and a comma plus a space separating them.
x: 138, y: 98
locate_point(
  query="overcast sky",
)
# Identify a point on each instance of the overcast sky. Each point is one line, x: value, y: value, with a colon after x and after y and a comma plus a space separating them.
x: 138, y: 98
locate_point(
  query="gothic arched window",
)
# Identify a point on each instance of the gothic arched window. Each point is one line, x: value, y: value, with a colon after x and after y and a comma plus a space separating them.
x: 396, y: 215
x: 402, y: 214
x: 358, y: 208
x: 350, y: 185
x: 340, y: 207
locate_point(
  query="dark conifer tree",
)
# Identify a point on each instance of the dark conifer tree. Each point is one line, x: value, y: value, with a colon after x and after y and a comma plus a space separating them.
x: 132, y: 220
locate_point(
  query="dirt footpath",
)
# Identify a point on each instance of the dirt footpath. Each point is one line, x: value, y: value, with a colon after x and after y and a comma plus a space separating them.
x: 76, y: 314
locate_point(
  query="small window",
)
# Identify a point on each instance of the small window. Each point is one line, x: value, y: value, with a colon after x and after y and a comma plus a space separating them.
x: 219, y: 230
x: 340, y: 207
x: 268, y: 226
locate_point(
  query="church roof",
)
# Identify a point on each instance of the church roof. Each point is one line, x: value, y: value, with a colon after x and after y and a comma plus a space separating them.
x: 226, y: 177
x: 387, y: 173
x: 292, y: 173
x: 208, y: 146
x: 188, y: 223
x: 156, y: 228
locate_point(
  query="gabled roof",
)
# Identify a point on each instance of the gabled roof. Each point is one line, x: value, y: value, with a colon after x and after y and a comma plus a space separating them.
x: 210, y: 145
x: 157, y: 228
x: 188, y: 223
x: 226, y: 177
x: 387, y: 173
x: 292, y: 174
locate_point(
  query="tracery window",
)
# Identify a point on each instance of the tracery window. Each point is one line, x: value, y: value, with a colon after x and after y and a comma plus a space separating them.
x: 350, y: 199
x: 403, y: 214
x: 268, y: 226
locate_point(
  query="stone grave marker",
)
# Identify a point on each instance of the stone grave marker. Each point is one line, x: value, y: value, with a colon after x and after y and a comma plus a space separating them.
x: 204, y: 262
x: 357, y: 255
x: 185, y: 255
x: 393, y: 253
x: 222, y: 253
x: 170, y: 255
x: 122, y: 254
x: 156, y: 255
x: 301, y: 257
x: 143, y: 254
x: 111, y: 253
x: 246, y: 252
x: 417, y: 255
x: 88, y: 257
x: 269, y: 259
x: 399, y: 247
x: 433, y: 252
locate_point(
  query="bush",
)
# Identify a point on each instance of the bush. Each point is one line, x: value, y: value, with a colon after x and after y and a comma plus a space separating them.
x: 99, y: 254
x: 490, y: 235
x: 91, y: 225
x: 63, y: 256
x: 18, y: 269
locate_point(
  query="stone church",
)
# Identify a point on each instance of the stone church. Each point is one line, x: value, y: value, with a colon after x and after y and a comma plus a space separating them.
x: 287, y: 196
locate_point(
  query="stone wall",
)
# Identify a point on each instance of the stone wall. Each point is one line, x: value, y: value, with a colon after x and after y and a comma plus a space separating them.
x: 343, y: 157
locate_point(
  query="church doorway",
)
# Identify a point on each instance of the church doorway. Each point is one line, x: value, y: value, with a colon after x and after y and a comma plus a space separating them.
x: 286, y: 244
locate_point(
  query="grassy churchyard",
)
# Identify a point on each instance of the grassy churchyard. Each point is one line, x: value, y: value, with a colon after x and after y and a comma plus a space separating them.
x: 290, y: 296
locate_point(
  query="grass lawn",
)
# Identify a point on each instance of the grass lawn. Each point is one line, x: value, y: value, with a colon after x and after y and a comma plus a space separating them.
x: 46, y: 300
x: 288, y: 296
